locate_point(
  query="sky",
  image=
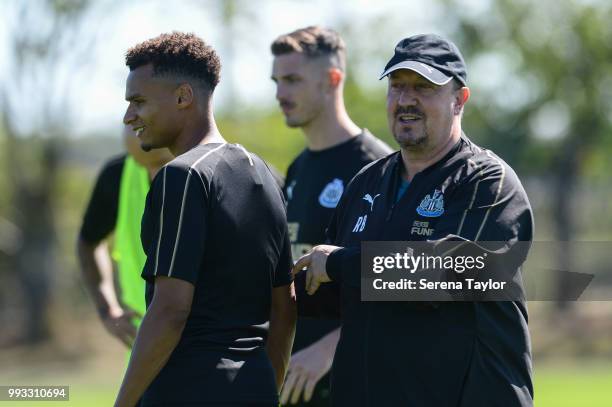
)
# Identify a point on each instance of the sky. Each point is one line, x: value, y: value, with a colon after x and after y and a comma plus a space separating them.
x: 249, y: 66
x: 371, y: 28
x: 96, y: 92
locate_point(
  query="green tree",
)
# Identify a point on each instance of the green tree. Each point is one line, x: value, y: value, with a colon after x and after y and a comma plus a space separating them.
x: 48, y: 44
x: 550, y: 112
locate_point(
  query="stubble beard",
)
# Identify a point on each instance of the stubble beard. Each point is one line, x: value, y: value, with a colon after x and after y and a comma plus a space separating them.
x: 296, y: 123
x: 292, y: 123
x: 412, y: 142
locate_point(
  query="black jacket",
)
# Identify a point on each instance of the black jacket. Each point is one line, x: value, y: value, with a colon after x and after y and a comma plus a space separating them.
x: 454, y: 353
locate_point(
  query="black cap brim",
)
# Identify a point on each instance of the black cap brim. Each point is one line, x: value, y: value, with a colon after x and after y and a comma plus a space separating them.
x: 430, y: 73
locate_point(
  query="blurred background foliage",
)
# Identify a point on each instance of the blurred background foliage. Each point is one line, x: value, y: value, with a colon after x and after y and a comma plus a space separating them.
x: 541, y: 82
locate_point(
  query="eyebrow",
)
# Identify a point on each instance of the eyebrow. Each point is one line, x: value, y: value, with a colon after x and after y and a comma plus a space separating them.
x: 289, y: 75
x: 133, y: 96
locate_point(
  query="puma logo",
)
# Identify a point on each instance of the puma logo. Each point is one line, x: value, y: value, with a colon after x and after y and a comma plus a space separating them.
x: 426, y: 67
x: 368, y: 198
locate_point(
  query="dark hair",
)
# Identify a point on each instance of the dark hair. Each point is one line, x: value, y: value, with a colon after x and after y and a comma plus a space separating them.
x: 180, y: 54
x: 314, y: 42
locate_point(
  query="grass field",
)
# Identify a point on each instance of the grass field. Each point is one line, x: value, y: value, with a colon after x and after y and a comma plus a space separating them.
x: 569, y: 386
x: 580, y: 385
x: 94, y: 380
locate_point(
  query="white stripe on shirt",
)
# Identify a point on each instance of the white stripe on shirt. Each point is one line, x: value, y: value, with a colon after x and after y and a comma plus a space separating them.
x: 180, y: 222
x: 161, y: 222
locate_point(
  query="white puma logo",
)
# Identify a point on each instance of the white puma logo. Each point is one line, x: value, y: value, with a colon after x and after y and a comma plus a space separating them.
x: 426, y: 67
x: 368, y: 197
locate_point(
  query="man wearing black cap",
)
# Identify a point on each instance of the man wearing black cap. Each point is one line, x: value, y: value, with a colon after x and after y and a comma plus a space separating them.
x: 440, y: 186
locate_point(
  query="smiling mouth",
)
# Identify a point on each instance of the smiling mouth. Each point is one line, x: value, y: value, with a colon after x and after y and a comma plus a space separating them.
x: 286, y: 106
x: 138, y: 130
x: 408, y: 118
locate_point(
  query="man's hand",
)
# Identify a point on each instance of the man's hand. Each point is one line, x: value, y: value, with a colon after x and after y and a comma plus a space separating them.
x: 119, y: 323
x: 315, y: 261
x: 308, y: 366
x: 97, y: 270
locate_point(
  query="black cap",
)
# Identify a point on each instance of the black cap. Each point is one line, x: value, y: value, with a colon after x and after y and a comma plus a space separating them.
x: 431, y: 56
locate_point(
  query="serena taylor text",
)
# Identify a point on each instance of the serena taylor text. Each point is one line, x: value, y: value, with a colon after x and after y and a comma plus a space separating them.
x: 424, y: 284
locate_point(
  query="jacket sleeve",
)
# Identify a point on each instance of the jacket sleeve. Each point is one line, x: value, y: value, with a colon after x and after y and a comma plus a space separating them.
x: 488, y: 208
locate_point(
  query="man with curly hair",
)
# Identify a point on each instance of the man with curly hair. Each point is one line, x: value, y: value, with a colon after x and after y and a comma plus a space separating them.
x: 220, y: 312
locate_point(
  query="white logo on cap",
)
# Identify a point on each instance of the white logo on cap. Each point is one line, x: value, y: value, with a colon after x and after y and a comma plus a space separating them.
x: 426, y: 67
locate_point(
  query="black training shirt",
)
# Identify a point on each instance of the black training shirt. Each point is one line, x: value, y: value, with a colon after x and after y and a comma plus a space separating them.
x: 215, y: 217
x: 314, y: 184
x: 101, y: 214
x: 313, y: 187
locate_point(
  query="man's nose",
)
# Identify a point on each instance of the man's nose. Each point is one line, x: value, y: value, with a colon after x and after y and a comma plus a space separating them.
x: 280, y: 92
x: 406, y: 97
x: 129, y: 116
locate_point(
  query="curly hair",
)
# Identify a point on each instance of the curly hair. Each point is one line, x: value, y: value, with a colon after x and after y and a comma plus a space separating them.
x: 314, y: 42
x: 180, y: 54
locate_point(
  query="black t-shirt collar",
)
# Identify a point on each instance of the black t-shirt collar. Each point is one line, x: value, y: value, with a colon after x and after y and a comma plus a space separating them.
x: 335, y: 148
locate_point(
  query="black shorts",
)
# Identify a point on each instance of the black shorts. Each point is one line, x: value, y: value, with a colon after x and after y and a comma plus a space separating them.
x: 207, y: 378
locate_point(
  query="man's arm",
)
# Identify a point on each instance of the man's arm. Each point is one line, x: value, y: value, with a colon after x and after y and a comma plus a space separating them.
x: 97, y: 272
x: 308, y: 366
x: 159, y: 333
x: 490, y: 206
x: 175, y: 213
x: 283, y: 315
x: 99, y: 220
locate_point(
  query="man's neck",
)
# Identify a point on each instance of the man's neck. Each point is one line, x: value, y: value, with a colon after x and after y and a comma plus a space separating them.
x: 330, y: 128
x: 416, y: 161
x: 152, y: 170
x: 201, y: 132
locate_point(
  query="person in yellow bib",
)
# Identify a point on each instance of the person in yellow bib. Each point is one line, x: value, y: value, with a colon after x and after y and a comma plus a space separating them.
x: 112, y: 219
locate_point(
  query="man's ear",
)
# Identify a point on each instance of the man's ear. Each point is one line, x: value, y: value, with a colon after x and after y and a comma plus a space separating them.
x: 335, y: 76
x: 461, y: 97
x: 184, y: 96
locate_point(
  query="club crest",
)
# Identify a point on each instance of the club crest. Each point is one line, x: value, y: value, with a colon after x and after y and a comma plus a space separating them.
x: 330, y: 196
x: 432, y: 205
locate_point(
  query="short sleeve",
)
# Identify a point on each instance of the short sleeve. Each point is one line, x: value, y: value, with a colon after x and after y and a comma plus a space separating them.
x: 282, y: 274
x: 175, y: 220
x: 100, y: 216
